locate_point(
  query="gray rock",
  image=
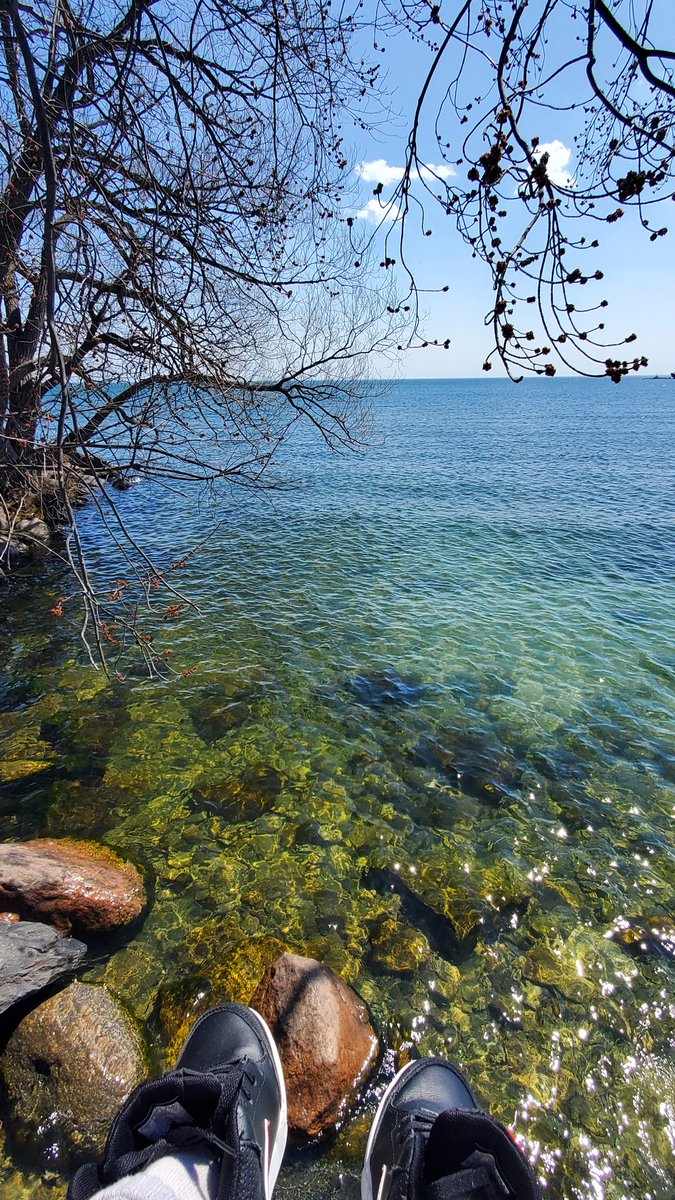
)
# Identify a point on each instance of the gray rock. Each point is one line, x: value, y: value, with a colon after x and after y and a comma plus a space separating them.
x: 31, y: 957
x: 33, y: 530
x: 67, y: 1069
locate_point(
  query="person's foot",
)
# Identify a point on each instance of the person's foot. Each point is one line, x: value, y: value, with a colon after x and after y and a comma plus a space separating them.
x: 223, y: 1107
x: 233, y: 1036
x: 430, y: 1141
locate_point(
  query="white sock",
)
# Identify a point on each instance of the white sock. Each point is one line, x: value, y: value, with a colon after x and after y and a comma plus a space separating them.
x: 185, y: 1176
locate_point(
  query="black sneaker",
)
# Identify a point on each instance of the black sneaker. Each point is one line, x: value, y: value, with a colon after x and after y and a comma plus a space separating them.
x: 430, y: 1141
x: 233, y: 1034
x: 226, y: 1096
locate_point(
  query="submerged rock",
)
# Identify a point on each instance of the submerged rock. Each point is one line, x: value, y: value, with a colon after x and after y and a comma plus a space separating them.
x: 382, y: 688
x: 216, y: 710
x: 326, y: 1041
x: 31, y: 957
x: 70, y: 884
x: 67, y: 1069
x: 240, y: 797
x: 446, y: 914
x: 645, y: 935
x: 473, y: 763
x: 215, y: 966
x: 24, y: 751
x: 398, y: 948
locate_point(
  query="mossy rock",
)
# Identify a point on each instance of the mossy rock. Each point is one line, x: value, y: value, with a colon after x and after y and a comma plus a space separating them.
x: 79, y: 810
x: 135, y: 975
x: 503, y: 884
x: 157, y: 750
x: 84, y: 682
x: 218, y: 708
x: 23, y: 752
x: 67, y: 1068
x: 241, y: 797
x: 13, y: 770
x: 398, y: 948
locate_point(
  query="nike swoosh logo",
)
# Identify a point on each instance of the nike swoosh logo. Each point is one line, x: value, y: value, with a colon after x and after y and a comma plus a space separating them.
x: 383, y: 1180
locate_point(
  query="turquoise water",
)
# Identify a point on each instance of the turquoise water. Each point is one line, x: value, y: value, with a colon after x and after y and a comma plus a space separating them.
x: 430, y: 740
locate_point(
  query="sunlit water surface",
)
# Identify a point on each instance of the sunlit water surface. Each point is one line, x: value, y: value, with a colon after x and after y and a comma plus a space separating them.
x: 430, y: 741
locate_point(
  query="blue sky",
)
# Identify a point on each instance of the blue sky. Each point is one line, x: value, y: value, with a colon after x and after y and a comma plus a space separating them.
x: 639, y: 275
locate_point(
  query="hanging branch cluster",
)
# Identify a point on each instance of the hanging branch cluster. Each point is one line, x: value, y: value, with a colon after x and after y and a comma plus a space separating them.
x: 175, y: 292
x: 503, y: 75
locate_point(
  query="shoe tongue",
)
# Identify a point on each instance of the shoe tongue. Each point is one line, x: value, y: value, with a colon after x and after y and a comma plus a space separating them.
x: 472, y: 1142
x: 477, y: 1179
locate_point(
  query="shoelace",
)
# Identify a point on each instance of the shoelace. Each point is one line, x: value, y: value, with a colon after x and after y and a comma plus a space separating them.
x: 181, y: 1136
x: 415, y: 1126
x: 159, y: 1111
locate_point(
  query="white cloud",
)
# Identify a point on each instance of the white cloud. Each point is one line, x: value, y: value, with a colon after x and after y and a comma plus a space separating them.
x: 380, y: 171
x: 377, y: 211
x: 559, y: 156
x: 433, y: 171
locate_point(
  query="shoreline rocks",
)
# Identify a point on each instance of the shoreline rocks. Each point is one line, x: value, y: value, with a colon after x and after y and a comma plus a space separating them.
x: 32, y: 956
x: 325, y: 1039
x: 67, y: 1069
x: 72, y: 885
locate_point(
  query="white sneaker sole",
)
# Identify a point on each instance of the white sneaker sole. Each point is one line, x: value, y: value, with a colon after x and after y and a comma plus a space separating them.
x: 366, y: 1177
x: 273, y: 1155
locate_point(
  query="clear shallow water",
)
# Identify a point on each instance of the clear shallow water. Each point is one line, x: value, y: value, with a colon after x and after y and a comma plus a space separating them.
x: 430, y: 740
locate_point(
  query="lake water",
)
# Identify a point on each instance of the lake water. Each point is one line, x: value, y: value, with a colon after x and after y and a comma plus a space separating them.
x: 430, y: 741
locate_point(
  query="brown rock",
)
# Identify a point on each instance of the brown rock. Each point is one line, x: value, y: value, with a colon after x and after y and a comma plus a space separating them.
x: 68, y: 1067
x: 70, y: 884
x: 326, y: 1042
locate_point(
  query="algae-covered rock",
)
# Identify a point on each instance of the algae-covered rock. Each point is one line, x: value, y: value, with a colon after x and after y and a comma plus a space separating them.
x: 326, y: 1042
x: 67, y: 1069
x: 23, y: 752
x: 240, y: 797
x: 220, y: 707
x: 476, y: 763
x: 432, y: 895
x: 157, y: 750
x: 548, y: 967
x: 70, y: 884
x: 79, y: 682
x: 398, y: 948
x: 574, y: 965
x: 380, y: 689
x: 134, y: 975
x: 645, y: 935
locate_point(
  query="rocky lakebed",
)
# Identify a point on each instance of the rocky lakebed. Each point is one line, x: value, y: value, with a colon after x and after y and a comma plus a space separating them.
x: 448, y: 928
